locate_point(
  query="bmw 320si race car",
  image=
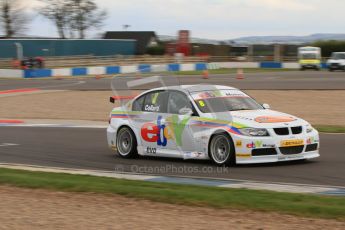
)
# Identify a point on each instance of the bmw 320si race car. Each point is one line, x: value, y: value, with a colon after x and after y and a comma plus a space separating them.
x: 208, y: 122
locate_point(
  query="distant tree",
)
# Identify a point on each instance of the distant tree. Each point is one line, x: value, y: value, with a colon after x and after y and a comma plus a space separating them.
x: 159, y: 49
x: 86, y: 15
x: 59, y: 13
x: 73, y: 16
x: 327, y: 47
x: 13, y: 17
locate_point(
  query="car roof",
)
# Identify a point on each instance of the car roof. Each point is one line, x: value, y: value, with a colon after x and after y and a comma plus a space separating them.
x: 195, y: 88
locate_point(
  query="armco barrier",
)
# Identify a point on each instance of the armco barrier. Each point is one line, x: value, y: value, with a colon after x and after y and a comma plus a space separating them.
x: 37, y: 73
x: 79, y: 71
x: 11, y: 73
x: 112, y: 70
x: 144, y: 68
x: 173, y: 67
x: 200, y: 66
x: 271, y: 65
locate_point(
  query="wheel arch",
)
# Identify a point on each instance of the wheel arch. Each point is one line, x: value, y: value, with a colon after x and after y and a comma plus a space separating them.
x: 131, y: 128
x: 219, y: 131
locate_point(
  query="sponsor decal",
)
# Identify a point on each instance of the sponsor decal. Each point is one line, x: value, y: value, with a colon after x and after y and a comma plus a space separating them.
x: 152, y: 108
x: 259, y: 144
x: 218, y: 93
x: 291, y: 157
x: 231, y: 127
x: 312, y: 140
x: 189, y: 155
x: 239, y: 143
x: 273, y: 119
x: 161, y: 133
x: 243, y: 155
x: 113, y: 147
x: 151, y: 150
x: 124, y: 114
x: 207, y: 95
x: 289, y: 143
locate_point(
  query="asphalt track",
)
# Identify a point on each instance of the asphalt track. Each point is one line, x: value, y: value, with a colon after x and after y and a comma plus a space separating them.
x: 84, y: 148
x: 288, y: 80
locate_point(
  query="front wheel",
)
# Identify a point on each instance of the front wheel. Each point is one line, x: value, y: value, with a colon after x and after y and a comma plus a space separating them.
x: 221, y: 150
x: 126, y: 143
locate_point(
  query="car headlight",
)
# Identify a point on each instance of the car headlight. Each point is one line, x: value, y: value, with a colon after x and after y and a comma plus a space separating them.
x: 309, y: 129
x: 254, y: 132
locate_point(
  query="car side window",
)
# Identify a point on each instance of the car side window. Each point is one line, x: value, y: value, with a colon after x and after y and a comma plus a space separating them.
x: 156, y: 102
x: 178, y: 101
x: 138, y: 104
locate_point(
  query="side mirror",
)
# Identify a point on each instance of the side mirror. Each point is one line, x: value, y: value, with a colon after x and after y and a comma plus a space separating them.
x: 266, y: 106
x: 185, y: 111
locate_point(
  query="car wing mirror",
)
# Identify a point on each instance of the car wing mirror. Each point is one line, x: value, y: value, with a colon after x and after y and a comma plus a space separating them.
x: 186, y: 111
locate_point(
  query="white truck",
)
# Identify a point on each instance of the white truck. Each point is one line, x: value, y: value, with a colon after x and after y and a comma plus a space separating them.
x: 309, y: 57
x: 337, y: 61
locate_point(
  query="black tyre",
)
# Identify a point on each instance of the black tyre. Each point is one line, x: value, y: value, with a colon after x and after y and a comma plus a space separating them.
x: 222, y: 150
x: 126, y: 143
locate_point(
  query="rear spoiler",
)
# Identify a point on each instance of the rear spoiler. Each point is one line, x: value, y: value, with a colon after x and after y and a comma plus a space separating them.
x: 119, y: 98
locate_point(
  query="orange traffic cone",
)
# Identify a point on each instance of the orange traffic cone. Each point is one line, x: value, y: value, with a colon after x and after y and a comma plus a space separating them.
x: 205, y: 74
x: 98, y: 77
x: 240, y: 74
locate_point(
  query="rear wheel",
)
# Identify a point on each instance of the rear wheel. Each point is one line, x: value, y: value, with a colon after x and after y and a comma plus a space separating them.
x: 221, y: 149
x: 126, y: 143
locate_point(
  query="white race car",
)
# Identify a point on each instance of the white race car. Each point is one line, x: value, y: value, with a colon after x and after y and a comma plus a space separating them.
x: 208, y: 122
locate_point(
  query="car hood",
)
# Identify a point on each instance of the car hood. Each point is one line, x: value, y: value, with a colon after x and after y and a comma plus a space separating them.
x: 264, y: 118
x: 335, y: 61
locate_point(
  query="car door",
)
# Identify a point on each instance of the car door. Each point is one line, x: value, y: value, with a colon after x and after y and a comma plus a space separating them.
x: 179, y: 130
x: 151, y: 121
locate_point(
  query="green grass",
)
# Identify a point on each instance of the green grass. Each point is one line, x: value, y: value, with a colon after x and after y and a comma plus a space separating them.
x: 231, y: 71
x: 289, y: 203
x: 330, y: 128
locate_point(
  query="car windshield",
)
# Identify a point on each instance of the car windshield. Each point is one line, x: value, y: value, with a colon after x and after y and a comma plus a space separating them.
x: 224, y: 100
x: 309, y: 56
x: 338, y: 56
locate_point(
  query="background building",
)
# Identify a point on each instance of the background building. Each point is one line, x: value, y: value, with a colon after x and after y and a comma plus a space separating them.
x: 64, y: 47
x: 144, y: 39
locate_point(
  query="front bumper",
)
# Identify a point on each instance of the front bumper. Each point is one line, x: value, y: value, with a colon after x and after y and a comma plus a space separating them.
x: 310, y: 66
x: 270, y: 149
x: 335, y: 66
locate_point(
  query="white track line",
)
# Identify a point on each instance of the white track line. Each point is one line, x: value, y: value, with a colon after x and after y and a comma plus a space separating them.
x: 226, y: 183
x: 7, y: 144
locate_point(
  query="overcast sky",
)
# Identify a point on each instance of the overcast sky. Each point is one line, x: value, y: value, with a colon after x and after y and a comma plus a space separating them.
x: 217, y: 19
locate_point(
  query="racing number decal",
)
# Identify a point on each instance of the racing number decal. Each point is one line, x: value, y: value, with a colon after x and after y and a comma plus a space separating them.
x: 201, y: 103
